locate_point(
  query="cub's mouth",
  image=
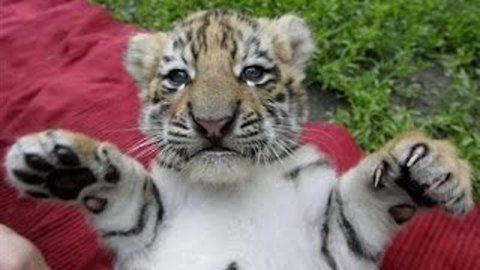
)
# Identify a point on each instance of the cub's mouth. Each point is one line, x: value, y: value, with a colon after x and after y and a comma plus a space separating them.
x: 216, y: 150
x: 217, y: 164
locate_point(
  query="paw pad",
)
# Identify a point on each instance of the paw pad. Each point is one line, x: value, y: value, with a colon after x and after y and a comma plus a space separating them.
x: 67, y: 184
x: 37, y: 194
x: 62, y: 176
x: 66, y: 156
x: 38, y: 163
x: 28, y: 178
x: 95, y: 204
x: 402, y: 213
x: 67, y: 166
x: 112, y: 175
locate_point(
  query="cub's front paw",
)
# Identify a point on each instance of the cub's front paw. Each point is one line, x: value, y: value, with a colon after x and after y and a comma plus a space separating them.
x: 63, y: 165
x: 429, y: 170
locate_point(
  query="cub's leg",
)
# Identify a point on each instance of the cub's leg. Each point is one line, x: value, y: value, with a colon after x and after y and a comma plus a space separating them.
x: 388, y: 188
x: 115, y: 191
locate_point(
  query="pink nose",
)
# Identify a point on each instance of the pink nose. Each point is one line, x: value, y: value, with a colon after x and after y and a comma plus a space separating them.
x: 214, y: 129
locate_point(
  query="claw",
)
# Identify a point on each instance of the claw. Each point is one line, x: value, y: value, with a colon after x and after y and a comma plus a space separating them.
x: 440, y: 180
x: 456, y: 199
x: 418, y: 151
x: 378, y: 174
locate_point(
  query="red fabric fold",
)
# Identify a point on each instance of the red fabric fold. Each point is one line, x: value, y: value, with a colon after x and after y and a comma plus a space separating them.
x: 61, y: 68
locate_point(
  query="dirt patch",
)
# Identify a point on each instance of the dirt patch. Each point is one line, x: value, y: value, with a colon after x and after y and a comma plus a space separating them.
x: 424, y: 91
x: 323, y: 102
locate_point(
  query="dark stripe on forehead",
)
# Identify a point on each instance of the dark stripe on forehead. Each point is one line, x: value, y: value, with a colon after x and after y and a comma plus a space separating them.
x: 195, y: 51
x: 262, y: 54
x: 202, y: 36
x: 249, y: 21
x: 167, y: 58
x: 179, y: 43
x: 233, y: 50
x: 255, y: 42
x: 252, y: 45
x: 188, y: 35
x: 227, y: 35
x: 231, y: 23
x: 223, y: 13
x: 184, y: 60
x: 253, y: 50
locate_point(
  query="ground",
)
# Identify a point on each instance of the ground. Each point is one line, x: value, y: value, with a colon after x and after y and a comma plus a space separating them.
x: 380, y: 68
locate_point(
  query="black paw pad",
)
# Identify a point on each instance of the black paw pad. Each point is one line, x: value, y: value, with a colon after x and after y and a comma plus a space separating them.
x: 28, y: 178
x: 112, y: 175
x: 417, y: 191
x: 66, y: 184
x: 66, y: 156
x: 37, y: 194
x: 38, y: 163
x: 95, y: 204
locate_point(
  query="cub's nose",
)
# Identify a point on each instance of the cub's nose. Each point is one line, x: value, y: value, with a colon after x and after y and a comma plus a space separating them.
x: 214, y: 130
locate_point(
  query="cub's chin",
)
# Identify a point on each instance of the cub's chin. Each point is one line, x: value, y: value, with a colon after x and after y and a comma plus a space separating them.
x: 218, y: 167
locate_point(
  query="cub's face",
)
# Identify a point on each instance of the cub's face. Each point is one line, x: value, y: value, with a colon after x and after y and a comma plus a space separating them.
x: 222, y: 91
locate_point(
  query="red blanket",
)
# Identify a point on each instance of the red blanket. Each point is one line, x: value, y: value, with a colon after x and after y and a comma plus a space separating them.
x: 61, y: 68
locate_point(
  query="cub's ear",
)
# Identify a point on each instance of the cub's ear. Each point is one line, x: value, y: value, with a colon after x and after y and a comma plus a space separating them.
x: 142, y: 55
x: 292, y: 39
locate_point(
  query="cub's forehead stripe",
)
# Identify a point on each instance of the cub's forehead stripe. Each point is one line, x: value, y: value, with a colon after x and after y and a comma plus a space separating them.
x: 228, y: 28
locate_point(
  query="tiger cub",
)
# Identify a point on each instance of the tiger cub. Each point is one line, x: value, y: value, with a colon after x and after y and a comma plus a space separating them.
x: 234, y: 189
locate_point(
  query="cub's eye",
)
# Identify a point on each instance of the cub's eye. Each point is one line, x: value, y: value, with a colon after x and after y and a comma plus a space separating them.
x: 254, y: 74
x: 177, y: 77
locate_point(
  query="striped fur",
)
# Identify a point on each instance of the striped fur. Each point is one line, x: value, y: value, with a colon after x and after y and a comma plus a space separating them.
x: 214, y: 48
x: 269, y: 202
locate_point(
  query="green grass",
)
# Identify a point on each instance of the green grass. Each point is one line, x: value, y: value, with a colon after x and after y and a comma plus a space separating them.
x: 375, y: 52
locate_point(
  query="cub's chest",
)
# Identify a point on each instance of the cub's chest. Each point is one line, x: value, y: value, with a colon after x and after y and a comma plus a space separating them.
x: 267, y: 222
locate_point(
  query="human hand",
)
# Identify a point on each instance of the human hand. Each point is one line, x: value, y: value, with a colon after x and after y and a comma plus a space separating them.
x: 17, y: 253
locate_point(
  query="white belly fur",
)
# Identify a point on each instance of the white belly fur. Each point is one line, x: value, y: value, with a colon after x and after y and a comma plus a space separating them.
x: 265, y: 222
